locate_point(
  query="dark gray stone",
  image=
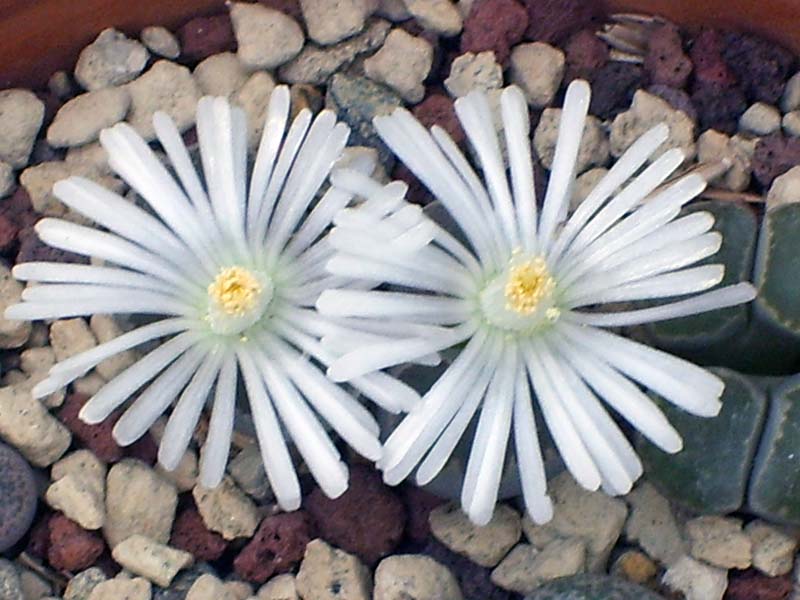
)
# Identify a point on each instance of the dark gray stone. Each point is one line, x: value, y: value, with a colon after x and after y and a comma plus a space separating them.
x: 592, y: 587
x: 10, y: 586
x: 19, y: 496
x: 357, y: 100
x: 182, y: 583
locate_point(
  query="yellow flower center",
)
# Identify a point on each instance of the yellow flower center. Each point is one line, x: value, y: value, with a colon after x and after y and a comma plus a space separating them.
x: 235, y: 291
x: 527, y: 284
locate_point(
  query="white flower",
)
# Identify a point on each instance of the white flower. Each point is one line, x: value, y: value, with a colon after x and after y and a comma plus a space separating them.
x: 515, y: 285
x: 232, y: 273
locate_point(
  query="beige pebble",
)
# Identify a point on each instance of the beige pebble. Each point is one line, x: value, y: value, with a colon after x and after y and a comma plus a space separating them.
x: 485, y: 545
x: 122, y: 589
x: 138, y: 501
x: 226, y: 510
x: 27, y: 425
x: 327, y: 573
x: 148, y: 558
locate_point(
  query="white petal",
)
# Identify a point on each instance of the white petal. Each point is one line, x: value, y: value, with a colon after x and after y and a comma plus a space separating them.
x: 214, y: 456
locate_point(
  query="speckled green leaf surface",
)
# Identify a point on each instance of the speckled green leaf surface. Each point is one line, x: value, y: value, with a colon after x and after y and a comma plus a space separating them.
x: 711, y: 473
x: 775, y: 482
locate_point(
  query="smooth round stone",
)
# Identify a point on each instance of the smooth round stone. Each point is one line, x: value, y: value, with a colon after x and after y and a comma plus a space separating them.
x: 775, y: 479
x: 711, y: 473
x: 592, y: 587
x: 18, y: 494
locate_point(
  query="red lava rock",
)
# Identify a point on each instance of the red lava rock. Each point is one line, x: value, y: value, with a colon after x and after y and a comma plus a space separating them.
x: 203, y: 36
x: 752, y: 585
x: 774, y: 155
x: 18, y: 492
x: 16, y: 213
x: 417, y: 193
x: 706, y: 55
x: 32, y: 249
x: 145, y: 449
x: 613, y: 87
x: 665, y: 61
x: 8, y: 233
x: 367, y: 520
x: 494, y: 25
x: 290, y: 7
x: 676, y: 98
x: 277, y: 546
x: 585, y: 53
x: 553, y: 20
x: 39, y: 537
x: 762, y: 67
x: 190, y: 533
x: 95, y: 437
x: 475, y: 581
x: 437, y: 109
x: 419, y: 504
x: 718, y: 106
x: 71, y: 547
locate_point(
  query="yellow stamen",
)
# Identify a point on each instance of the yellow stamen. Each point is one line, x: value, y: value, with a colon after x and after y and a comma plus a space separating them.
x: 235, y: 290
x: 528, y: 283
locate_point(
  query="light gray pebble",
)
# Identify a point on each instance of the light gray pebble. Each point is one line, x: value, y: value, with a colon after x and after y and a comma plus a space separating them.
x: 414, y: 576
x: 791, y: 123
x: 697, y: 581
x: 485, y: 545
x: 167, y: 87
x: 330, y: 22
x: 80, y: 120
x: 82, y: 584
x: 594, y: 148
x: 7, y: 182
x: 10, y: 585
x: 440, y: 16
x: 315, y: 64
x: 220, y: 74
x: 159, y: 40
x: 538, y: 69
x: 760, y: 119
x: 474, y: 72
x: 791, y: 94
x: 266, y: 38
x: 402, y: 63
x: 111, y: 59
x: 21, y: 115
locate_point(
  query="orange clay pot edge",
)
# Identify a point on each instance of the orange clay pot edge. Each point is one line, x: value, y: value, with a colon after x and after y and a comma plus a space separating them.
x: 38, y: 37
